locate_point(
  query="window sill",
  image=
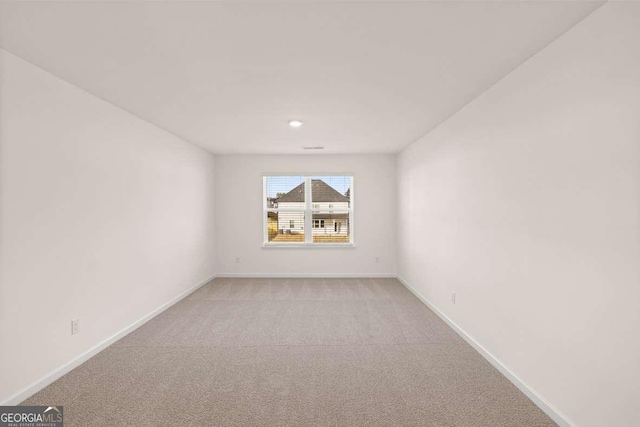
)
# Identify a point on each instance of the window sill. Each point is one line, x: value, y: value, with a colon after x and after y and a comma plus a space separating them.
x: 307, y: 245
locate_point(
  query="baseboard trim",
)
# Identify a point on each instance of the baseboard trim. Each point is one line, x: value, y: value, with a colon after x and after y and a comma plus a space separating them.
x: 306, y: 276
x: 549, y: 409
x: 59, y: 372
x: 553, y: 413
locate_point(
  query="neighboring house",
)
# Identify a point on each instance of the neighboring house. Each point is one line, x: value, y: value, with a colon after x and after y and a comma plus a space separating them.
x: 326, y: 221
x: 271, y: 202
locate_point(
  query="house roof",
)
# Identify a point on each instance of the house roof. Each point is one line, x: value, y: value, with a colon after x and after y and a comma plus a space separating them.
x: 321, y: 191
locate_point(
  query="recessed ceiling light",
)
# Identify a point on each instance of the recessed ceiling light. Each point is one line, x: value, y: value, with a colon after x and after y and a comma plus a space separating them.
x: 295, y: 123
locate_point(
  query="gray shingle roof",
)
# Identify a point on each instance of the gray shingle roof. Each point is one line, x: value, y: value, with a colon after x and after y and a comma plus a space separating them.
x: 321, y: 191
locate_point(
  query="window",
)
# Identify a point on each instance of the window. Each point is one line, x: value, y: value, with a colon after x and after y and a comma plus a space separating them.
x: 308, y: 210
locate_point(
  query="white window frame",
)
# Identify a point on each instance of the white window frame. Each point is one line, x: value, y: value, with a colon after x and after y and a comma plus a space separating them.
x: 308, y: 214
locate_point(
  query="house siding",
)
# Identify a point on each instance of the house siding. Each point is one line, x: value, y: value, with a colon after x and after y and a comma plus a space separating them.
x: 329, y: 229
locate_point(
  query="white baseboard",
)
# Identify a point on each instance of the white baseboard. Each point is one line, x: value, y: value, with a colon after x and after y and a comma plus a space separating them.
x: 307, y: 275
x: 57, y: 373
x: 549, y: 409
x: 553, y: 413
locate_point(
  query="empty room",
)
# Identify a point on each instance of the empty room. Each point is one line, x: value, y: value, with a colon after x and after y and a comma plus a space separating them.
x: 320, y: 213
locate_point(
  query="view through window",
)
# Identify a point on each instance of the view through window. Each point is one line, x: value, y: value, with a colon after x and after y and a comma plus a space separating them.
x: 308, y: 209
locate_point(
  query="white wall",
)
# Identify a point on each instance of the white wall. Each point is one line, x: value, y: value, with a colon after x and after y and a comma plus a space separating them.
x: 104, y: 218
x: 239, y: 216
x: 526, y: 203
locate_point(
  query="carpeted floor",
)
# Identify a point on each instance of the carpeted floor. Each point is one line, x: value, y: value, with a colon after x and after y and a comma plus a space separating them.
x: 321, y: 352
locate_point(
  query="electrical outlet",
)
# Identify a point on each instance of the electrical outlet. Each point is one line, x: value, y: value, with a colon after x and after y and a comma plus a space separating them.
x: 453, y: 297
x: 237, y: 259
x: 75, y: 326
x: 377, y: 260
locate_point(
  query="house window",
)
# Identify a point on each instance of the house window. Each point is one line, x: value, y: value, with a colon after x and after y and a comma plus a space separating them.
x: 308, y: 210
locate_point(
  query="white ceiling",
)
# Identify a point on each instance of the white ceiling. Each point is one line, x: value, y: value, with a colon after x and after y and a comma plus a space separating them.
x: 363, y: 76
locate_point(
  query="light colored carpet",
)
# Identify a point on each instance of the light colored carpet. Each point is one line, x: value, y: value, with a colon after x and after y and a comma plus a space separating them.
x: 275, y: 352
